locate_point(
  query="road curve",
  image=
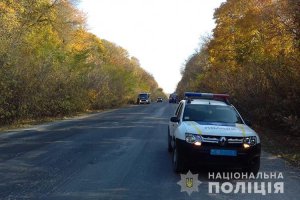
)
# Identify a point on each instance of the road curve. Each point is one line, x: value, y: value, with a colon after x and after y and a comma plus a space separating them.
x: 120, y: 154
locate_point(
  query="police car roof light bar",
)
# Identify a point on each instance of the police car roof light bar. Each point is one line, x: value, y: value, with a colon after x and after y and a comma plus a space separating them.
x: 196, y: 95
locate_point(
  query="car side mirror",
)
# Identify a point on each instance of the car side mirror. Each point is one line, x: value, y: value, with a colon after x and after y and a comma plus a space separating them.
x: 248, y: 122
x: 174, y: 119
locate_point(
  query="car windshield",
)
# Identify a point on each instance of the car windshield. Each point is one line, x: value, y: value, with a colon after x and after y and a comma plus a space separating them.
x: 143, y: 95
x: 211, y: 113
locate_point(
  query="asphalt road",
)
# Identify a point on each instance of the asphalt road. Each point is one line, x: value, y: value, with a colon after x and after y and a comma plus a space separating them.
x: 120, y: 154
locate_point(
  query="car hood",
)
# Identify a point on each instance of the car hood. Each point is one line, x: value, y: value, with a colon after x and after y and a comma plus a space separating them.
x: 218, y: 129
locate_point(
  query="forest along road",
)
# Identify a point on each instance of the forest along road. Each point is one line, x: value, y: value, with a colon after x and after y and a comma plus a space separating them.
x: 120, y: 154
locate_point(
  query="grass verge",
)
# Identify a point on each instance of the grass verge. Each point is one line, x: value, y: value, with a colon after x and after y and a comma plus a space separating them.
x: 26, y: 123
x: 281, y: 143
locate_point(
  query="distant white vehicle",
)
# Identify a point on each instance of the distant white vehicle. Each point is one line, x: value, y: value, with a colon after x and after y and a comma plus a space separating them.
x: 159, y: 99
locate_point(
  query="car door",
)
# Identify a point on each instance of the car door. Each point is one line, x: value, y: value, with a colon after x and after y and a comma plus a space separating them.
x: 173, y: 125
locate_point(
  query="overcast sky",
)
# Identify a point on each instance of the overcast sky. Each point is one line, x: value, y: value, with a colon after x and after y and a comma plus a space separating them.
x: 162, y: 34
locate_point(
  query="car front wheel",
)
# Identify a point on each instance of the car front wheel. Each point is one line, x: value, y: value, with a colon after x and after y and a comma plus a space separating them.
x: 253, y: 167
x: 170, y: 149
x: 178, y: 164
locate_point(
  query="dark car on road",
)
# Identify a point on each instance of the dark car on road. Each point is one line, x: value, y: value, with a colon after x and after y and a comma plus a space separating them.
x: 173, y: 98
x: 143, y: 98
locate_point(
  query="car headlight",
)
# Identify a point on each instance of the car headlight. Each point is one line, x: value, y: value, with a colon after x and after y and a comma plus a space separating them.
x: 249, y: 141
x: 193, y: 139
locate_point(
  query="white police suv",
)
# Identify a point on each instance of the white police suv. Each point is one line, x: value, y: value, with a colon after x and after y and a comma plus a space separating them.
x: 207, y: 129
